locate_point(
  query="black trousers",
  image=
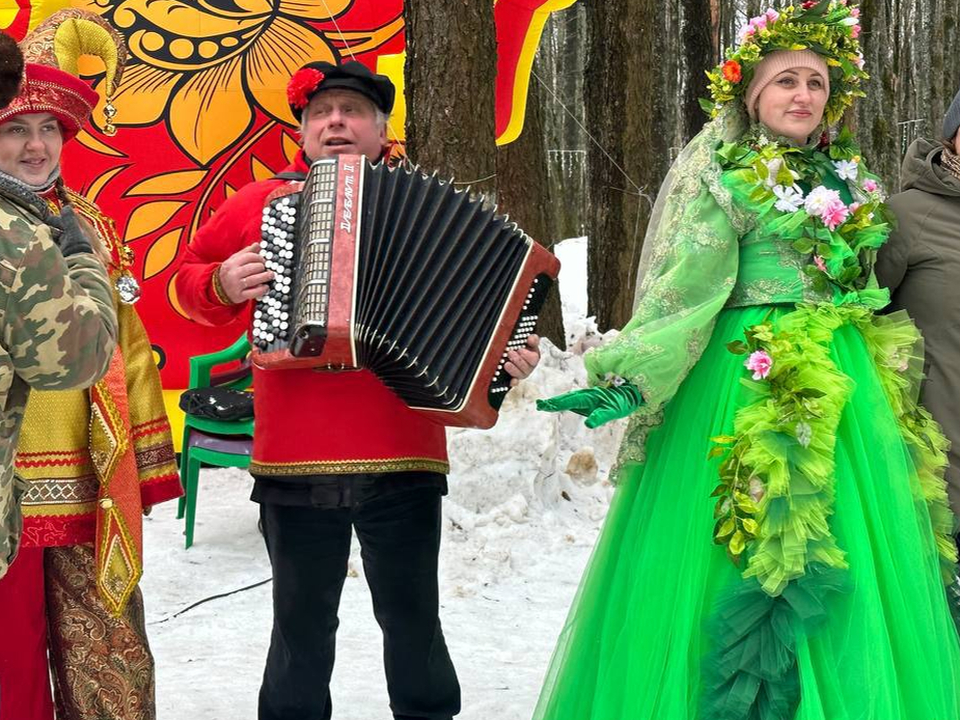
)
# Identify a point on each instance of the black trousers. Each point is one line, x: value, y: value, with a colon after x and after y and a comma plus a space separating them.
x: 309, y: 548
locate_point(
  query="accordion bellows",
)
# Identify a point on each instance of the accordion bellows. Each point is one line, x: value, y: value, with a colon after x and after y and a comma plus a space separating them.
x: 403, y: 274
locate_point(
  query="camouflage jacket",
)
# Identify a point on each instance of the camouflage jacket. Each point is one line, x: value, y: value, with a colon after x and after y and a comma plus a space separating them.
x: 58, y: 330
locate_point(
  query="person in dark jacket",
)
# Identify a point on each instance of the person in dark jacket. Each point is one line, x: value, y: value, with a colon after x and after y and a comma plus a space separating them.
x: 921, y: 266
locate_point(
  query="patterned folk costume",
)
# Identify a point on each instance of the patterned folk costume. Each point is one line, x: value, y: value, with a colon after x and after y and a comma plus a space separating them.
x: 91, y: 460
x: 778, y: 546
x: 91, y: 477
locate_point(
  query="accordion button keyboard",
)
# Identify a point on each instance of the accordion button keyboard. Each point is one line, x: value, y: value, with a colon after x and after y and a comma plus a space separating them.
x: 525, y: 326
x: 272, y: 314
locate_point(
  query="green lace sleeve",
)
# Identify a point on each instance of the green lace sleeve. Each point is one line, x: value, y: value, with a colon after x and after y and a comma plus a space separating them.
x: 687, y: 284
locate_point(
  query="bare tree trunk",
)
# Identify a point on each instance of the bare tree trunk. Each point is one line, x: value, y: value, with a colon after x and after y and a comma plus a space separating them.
x: 631, y: 106
x: 450, y: 71
x: 696, y: 39
x: 523, y: 193
x: 914, y: 72
x: 560, y: 65
x: 621, y: 98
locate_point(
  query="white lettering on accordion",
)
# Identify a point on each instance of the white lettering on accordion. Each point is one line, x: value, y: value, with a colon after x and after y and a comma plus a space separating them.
x: 346, y: 217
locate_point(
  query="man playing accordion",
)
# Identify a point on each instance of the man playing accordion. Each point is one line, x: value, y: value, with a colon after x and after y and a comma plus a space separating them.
x: 335, y: 451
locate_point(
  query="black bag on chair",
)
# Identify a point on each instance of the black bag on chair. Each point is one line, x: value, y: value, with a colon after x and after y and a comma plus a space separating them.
x: 217, y: 403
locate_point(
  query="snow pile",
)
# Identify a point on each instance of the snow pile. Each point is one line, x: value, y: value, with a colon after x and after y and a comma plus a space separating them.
x: 526, y: 501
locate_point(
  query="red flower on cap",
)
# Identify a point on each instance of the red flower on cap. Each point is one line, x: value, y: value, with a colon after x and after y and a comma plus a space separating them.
x: 302, y: 85
x: 809, y: 4
x: 732, y: 71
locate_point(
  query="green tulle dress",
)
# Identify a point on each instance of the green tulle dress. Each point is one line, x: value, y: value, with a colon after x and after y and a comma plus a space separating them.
x: 823, y: 480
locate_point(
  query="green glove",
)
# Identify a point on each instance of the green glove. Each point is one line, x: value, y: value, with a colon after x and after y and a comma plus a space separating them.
x: 599, y: 404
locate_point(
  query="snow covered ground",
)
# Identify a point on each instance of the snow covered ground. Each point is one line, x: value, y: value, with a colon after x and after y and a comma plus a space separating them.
x: 526, y: 502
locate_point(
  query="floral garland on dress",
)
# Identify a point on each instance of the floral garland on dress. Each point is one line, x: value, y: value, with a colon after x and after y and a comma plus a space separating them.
x: 800, y: 390
x: 775, y: 494
x: 840, y: 238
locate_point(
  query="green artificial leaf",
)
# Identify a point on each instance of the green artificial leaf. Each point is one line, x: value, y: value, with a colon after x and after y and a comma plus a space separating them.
x: 784, y: 176
x: 716, y: 452
x: 738, y: 347
x: 737, y: 543
x: 725, y: 528
x: 748, y: 506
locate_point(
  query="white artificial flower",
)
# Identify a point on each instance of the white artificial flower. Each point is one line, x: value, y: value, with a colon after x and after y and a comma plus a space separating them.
x: 804, y: 434
x: 847, y: 169
x: 789, y: 199
x: 819, y: 198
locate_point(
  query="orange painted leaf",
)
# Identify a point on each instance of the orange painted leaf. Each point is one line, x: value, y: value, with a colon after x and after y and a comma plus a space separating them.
x: 259, y: 169
x: 150, y: 217
x: 88, y: 141
x: 172, y: 183
x: 290, y: 147
x: 161, y: 253
x: 93, y: 190
x: 172, y: 297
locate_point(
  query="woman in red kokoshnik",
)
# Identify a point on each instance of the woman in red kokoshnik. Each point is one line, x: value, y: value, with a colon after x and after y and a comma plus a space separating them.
x: 92, y: 461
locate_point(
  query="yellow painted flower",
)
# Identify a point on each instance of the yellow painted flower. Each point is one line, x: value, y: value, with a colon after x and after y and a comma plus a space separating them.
x: 204, y: 65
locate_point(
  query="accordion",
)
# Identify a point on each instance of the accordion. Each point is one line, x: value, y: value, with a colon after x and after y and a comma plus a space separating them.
x: 403, y: 274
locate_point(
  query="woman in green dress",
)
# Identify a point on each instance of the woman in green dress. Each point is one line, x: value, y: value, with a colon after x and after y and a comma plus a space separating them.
x: 778, y: 546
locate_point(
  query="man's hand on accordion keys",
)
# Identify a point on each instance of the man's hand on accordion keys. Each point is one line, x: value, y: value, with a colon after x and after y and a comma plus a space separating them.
x: 523, y: 361
x: 243, y: 276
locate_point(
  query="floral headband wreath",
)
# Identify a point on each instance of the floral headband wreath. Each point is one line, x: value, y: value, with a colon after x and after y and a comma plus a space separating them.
x: 830, y: 28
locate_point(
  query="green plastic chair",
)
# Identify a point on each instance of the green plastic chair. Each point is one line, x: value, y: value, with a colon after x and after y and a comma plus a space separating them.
x: 222, y: 443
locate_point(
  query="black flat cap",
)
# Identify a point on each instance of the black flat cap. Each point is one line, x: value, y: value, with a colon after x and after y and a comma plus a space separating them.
x: 352, y: 75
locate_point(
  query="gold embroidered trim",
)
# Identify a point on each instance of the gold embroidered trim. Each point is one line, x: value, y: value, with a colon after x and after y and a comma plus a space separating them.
x: 218, y: 287
x: 343, y: 467
x: 78, y: 511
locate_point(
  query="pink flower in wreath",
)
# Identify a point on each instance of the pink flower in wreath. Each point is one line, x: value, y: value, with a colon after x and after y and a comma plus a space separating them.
x: 759, y: 363
x: 870, y: 185
x: 835, y: 213
x: 818, y: 261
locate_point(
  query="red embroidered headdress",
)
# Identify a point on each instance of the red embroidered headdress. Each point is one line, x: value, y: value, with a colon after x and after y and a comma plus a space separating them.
x: 51, y: 83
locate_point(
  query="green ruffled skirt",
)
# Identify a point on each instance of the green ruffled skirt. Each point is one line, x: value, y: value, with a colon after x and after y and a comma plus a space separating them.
x: 665, y: 626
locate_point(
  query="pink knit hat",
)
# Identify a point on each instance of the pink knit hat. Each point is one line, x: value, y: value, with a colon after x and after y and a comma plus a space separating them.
x: 774, y: 64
